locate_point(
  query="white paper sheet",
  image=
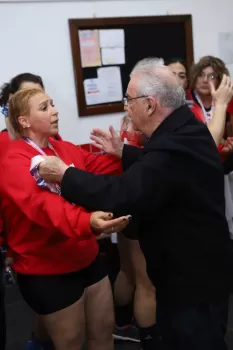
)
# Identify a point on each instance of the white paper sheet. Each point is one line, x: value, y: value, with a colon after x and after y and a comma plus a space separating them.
x: 112, y: 38
x: 90, y: 48
x: 110, y: 78
x: 113, y: 55
x: 94, y: 91
x: 225, y: 42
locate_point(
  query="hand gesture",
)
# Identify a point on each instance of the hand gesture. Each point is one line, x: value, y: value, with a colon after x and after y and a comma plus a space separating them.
x: 108, y: 142
x: 223, y: 95
x: 102, y: 222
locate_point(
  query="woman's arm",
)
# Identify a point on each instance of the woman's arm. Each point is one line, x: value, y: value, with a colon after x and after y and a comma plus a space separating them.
x: 47, y: 209
x: 217, y: 124
x: 42, y: 207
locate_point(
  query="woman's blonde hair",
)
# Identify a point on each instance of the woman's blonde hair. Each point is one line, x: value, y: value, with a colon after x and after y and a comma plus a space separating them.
x: 216, y: 63
x: 19, y: 106
x: 125, y: 122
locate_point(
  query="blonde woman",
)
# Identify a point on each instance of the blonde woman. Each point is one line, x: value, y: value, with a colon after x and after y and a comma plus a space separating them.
x: 55, y: 253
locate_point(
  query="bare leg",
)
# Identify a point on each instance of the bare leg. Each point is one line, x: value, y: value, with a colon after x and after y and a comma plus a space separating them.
x: 144, y: 301
x: 40, y: 331
x: 125, y: 282
x: 66, y: 327
x: 99, y: 316
x: 144, y: 298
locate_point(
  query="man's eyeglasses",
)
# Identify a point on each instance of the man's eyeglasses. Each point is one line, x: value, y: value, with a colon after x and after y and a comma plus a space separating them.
x: 127, y: 99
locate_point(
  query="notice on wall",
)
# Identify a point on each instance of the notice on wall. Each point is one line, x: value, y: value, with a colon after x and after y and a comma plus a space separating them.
x: 93, y: 90
x: 90, y: 48
x: 106, y: 88
x: 112, y: 38
x: 225, y: 43
x: 110, y: 78
x: 113, y: 55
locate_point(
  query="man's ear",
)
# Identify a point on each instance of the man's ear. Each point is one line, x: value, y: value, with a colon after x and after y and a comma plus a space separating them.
x: 151, y: 105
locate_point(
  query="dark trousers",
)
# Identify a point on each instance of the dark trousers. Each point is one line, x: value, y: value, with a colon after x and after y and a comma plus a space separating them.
x: 2, y: 309
x: 199, y: 327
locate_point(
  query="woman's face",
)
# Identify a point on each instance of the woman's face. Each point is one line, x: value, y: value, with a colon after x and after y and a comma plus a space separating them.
x: 180, y: 71
x: 202, y: 85
x: 43, y: 116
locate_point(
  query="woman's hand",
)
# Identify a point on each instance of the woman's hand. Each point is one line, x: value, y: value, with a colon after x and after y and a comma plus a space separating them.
x: 223, y: 95
x: 102, y: 222
x: 108, y: 142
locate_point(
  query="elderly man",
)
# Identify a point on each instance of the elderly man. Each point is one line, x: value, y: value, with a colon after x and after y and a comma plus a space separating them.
x: 175, y: 186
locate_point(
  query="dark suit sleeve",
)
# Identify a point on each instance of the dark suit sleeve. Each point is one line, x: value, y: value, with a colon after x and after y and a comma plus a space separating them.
x: 130, y: 155
x: 146, y: 185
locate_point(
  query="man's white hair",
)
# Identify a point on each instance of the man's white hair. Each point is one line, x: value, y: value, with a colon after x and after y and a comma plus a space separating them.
x: 152, y: 82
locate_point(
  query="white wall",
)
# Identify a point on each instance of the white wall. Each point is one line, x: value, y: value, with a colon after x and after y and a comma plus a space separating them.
x: 34, y: 37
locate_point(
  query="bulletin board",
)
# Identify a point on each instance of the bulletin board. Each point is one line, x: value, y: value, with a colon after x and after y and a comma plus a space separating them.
x: 105, y: 50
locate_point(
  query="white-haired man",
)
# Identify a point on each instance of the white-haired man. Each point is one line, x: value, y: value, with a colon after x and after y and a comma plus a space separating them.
x: 175, y: 186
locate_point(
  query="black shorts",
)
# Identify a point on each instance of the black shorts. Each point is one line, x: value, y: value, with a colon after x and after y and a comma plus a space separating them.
x: 131, y: 231
x: 48, y: 294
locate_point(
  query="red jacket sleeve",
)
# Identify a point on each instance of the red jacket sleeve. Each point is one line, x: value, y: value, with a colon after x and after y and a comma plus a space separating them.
x: 41, y: 207
x: 102, y: 163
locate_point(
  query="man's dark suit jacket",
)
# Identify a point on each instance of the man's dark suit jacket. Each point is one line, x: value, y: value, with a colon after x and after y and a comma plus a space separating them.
x: 175, y: 186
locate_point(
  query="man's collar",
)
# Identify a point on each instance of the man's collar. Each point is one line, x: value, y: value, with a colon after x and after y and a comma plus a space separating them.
x: 176, y: 119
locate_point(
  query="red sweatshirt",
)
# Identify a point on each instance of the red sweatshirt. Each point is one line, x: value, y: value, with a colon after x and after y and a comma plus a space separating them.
x: 196, y: 108
x: 46, y: 234
x: 4, y: 143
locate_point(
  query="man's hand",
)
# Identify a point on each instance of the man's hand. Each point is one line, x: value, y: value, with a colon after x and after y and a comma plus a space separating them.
x: 102, y: 222
x: 52, y: 169
x: 223, y: 95
x: 108, y: 142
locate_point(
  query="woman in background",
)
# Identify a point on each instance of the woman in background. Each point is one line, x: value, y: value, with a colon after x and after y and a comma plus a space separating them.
x: 206, y: 77
x: 179, y: 68
x: 207, y: 74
